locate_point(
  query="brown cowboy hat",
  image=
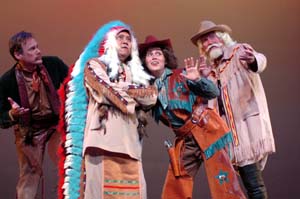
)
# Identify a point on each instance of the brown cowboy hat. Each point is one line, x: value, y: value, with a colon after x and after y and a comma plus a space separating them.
x: 152, y: 41
x: 209, y: 26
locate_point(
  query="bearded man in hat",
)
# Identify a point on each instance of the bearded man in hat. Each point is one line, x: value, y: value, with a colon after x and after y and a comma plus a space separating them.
x: 235, y: 68
x: 99, y: 121
x: 201, y: 134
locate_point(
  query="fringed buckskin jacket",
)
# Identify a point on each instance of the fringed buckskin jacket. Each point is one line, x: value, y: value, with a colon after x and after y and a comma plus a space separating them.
x: 245, y: 104
x: 111, y: 118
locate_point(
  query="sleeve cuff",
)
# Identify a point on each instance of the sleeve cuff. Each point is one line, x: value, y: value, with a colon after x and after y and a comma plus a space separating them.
x: 253, y: 66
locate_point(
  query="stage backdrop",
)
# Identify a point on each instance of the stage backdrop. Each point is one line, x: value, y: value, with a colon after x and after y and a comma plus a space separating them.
x: 63, y: 28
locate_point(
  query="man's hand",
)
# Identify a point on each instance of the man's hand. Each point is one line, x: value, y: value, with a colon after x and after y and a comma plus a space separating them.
x: 247, y: 55
x: 191, y: 68
x: 16, y: 111
x: 204, y: 68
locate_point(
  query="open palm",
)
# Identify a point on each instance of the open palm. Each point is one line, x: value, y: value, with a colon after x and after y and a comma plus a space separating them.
x: 191, y: 68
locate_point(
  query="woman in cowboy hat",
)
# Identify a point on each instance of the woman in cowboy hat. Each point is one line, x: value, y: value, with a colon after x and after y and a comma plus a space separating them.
x: 201, y: 135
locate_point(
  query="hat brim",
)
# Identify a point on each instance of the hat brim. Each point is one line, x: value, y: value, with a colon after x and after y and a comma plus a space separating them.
x: 143, y: 47
x: 221, y: 28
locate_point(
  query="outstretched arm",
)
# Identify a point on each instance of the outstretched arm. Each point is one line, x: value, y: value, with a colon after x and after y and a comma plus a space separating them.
x: 199, y: 85
x: 255, y: 61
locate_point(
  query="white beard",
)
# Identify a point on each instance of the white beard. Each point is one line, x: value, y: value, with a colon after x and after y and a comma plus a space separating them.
x: 215, y: 53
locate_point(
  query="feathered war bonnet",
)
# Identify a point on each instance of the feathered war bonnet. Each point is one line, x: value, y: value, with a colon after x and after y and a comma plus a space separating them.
x: 109, y: 56
x: 104, y: 46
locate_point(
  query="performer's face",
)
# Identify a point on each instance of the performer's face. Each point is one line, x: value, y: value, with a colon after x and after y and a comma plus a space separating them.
x: 31, y: 54
x: 155, y: 61
x: 124, y: 45
x: 211, y: 45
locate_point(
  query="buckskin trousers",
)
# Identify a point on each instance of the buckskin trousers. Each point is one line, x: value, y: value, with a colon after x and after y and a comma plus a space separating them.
x: 30, y: 160
x: 222, y: 179
x: 195, y: 139
x: 110, y: 175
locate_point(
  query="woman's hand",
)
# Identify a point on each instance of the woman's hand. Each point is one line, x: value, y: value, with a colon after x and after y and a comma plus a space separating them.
x: 191, y: 68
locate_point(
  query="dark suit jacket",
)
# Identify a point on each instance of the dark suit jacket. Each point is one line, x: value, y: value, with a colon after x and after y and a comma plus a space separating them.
x: 8, y: 86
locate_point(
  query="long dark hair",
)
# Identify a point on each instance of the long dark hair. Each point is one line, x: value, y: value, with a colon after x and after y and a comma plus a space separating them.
x: 171, y: 59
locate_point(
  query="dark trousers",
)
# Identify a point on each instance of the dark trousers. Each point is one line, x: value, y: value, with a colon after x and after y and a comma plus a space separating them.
x: 253, y: 181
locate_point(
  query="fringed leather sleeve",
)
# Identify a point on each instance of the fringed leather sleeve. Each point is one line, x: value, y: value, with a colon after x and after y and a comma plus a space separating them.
x: 102, y: 87
x: 145, y: 96
x: 141, y: 91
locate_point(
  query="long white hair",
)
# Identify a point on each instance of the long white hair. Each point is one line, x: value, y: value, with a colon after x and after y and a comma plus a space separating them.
x: 111, y: 59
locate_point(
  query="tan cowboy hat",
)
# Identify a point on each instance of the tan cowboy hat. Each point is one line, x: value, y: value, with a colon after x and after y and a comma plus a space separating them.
x: 209, y: 26
x: 152, y: 41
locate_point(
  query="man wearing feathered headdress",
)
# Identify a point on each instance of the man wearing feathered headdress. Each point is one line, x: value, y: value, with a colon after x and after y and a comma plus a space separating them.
x: 100, y: 122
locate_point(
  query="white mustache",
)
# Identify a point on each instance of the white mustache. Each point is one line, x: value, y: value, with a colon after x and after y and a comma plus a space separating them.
x: 214, y: 45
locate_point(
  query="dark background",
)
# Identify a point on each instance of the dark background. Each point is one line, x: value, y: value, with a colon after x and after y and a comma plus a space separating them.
x: 64, y: 27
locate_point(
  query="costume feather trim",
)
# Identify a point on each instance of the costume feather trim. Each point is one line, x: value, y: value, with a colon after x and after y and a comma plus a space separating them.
x: 102, y: 87
x: 110, y: 59
x: 140, y: 91
x: 73, y: 117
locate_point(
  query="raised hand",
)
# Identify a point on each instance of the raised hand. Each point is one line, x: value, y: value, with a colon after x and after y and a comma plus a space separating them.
x: 16, y: 111
x: 247, y: 54
x: 191, y: 68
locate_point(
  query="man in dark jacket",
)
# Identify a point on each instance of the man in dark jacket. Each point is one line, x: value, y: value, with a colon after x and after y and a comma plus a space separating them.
x: 29, y: 102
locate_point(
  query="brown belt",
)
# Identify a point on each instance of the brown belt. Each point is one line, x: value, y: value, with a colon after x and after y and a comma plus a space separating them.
x: 197, y: 118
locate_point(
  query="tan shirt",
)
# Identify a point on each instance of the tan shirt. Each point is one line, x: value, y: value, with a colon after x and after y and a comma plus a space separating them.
x: 38, y: 101
x: 120, y: 134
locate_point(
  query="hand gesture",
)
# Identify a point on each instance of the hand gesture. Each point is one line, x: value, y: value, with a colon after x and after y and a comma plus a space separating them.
x: 16, y: 111
x: 191, y: 68
x: 247, y: 54
x: 204, y: 68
